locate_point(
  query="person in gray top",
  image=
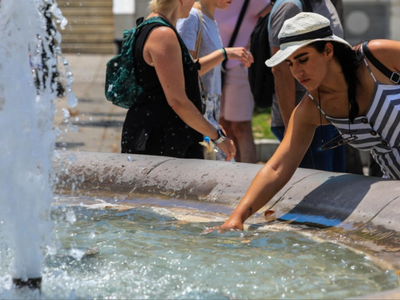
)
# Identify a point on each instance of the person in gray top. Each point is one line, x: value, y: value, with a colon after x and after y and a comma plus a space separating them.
x: 288, y: 92
x: 201, y: 22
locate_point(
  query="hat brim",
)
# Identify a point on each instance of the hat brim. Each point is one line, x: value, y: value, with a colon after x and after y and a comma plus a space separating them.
x: 292, y: 47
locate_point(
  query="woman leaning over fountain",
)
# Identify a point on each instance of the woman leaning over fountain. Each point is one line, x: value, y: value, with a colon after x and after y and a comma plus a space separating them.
x: 346, y: 88
x: 167, y: 119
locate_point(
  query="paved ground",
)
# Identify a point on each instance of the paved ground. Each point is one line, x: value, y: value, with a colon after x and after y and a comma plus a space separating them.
x: 94, y: 124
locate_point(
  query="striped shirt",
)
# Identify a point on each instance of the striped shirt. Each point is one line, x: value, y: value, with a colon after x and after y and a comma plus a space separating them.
x: 379, y: 130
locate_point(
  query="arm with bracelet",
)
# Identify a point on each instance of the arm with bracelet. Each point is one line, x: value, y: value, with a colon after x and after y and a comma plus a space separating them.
x: 218, y: 56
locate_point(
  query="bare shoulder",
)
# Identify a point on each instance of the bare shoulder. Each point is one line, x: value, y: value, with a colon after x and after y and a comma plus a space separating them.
x: 384, y: 45
x: 307, y: 111
x: 162, y: 39
x: 163, y: 33
x: 308, y: 100
x: 387, y: 52
x: 378, y: 46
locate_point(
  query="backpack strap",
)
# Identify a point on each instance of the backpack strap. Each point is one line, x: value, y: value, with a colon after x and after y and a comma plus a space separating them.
x: 142, y: 35
x: 199, y: 36
x: 236, y: 29
x: 393, y: 76
x: 238, y: 23
x: 130, y: 36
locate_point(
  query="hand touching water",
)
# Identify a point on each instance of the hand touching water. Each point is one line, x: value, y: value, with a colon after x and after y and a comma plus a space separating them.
x: 229, y: 224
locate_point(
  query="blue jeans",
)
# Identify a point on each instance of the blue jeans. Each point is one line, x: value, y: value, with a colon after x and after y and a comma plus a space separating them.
x: 316, y: 158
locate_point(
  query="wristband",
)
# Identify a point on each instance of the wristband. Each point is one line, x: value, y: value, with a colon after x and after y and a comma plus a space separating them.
x: 224, y: 53
x: 221, y: 137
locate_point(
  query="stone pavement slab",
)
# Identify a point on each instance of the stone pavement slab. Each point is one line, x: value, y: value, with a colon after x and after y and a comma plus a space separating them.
x: 94, y: 124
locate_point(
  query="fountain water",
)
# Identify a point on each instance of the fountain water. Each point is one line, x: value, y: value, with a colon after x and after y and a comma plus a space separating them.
x: 28, y: 86
x: 27, y: 146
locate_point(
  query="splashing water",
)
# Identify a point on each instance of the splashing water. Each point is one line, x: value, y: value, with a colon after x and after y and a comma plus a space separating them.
x: 28, y: 86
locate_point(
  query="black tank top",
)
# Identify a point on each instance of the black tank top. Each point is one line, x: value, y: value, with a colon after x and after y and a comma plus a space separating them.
x: 152, y: 109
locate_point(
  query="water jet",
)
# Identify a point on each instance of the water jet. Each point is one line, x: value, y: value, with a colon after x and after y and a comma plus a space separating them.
x: 29, y: 83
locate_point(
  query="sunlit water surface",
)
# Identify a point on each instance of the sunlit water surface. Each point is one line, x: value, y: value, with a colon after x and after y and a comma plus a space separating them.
x: 145, y: 255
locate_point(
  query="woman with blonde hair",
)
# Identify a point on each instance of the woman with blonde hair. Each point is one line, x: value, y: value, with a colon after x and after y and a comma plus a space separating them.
x: 166, y: 119
x: 357, y: 89
x: 201, y: 35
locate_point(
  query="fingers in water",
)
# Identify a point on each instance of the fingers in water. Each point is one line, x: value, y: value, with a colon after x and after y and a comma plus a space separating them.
x: 209, y: 230
x: 219, y: 229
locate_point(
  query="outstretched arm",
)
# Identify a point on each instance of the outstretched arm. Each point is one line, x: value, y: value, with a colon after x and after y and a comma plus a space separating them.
x: 280, y: 168
x: 211, y: 60
x: 190, y: 29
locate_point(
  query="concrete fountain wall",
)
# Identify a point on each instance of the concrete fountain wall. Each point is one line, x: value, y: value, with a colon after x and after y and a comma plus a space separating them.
x: 361, y: 212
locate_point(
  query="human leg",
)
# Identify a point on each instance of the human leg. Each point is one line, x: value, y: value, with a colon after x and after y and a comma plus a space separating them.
x: 328, y: 160
x: 245, y: 142
x: 227, y: 126
x: 278, y: 132
x: 316, y: 158
x: 374, y: 169
x: 236, y: 113
x: 338, y: 153
x: 352, y: 160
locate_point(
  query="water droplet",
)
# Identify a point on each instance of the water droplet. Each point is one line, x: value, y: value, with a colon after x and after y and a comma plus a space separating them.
x: 70, y: 217
x: 72, y: 158
x: 65, y: 113
x: 72, y: 100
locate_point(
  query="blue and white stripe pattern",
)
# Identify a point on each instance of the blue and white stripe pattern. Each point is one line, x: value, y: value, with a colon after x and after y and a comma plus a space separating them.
x: 378, y: 131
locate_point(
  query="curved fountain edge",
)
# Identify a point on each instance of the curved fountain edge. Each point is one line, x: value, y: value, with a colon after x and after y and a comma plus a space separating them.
x: 363, y: 209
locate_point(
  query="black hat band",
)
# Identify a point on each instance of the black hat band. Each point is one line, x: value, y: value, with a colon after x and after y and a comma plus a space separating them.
x: 317, y: 34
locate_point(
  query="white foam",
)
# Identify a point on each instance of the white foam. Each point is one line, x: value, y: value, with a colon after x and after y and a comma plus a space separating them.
x: 27, y: 137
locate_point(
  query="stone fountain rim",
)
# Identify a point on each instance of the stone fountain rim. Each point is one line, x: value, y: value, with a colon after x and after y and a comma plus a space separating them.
x: 367, y: 225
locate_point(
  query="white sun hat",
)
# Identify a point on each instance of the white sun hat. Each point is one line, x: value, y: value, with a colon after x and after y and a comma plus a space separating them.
x: 301, y: 30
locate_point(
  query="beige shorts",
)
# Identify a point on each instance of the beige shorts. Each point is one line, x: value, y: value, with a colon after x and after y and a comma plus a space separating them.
x: 237, y: 102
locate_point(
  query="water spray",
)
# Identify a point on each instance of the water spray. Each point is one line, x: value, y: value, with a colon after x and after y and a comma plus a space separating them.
x: 29, y: 84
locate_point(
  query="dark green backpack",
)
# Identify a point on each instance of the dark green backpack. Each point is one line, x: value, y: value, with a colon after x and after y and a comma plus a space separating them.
x: 121, y: 87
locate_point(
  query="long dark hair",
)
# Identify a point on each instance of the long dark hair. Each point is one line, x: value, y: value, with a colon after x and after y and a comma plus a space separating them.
x: 349, y: 60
